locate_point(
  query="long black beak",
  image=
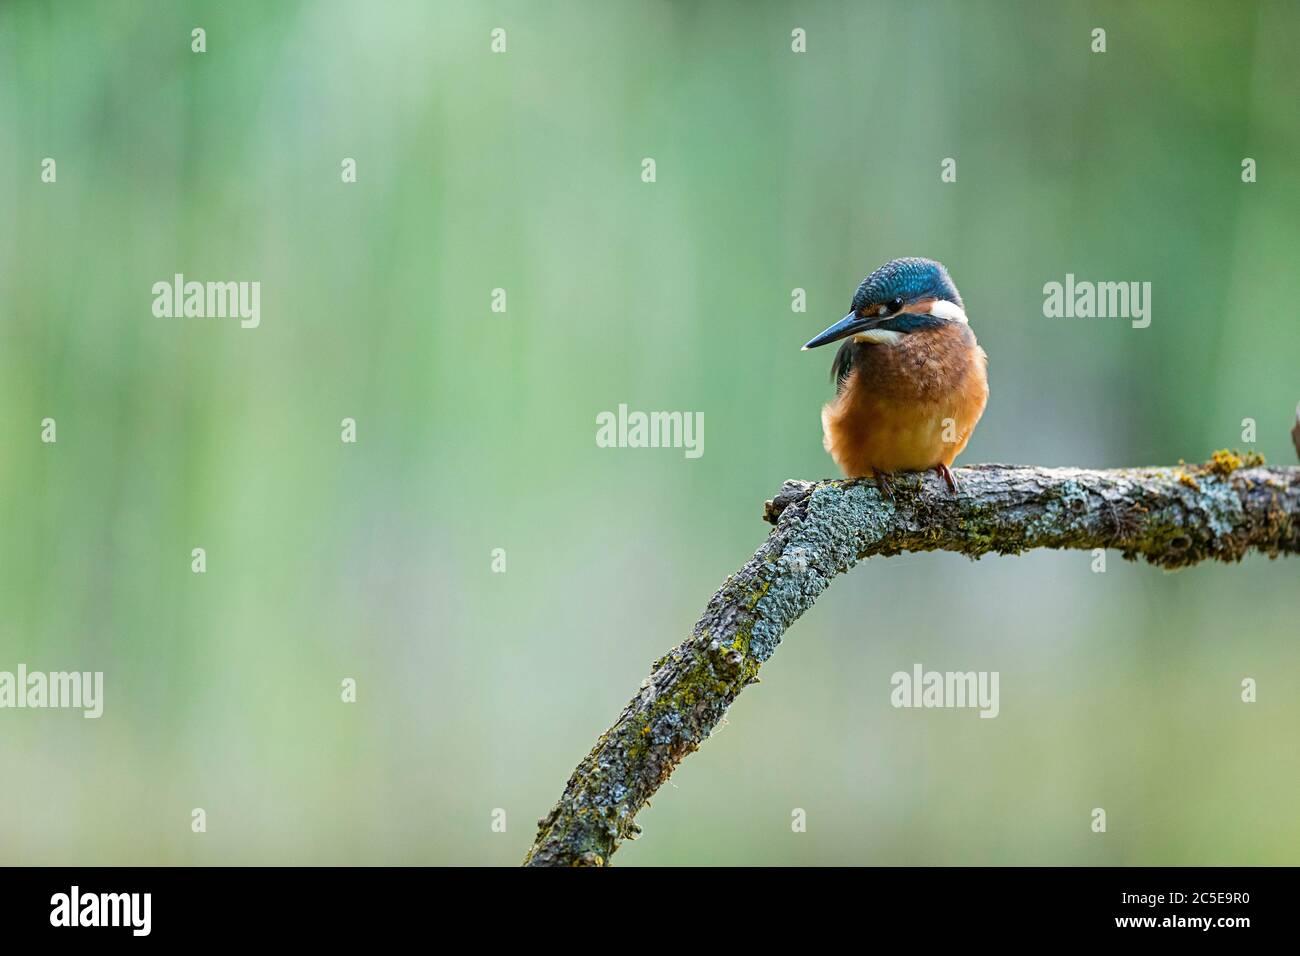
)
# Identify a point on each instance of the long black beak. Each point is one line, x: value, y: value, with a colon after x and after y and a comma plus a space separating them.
x: 842, y: 329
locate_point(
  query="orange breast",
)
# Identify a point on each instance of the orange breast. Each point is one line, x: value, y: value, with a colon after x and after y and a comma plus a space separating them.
x: 909, y: 406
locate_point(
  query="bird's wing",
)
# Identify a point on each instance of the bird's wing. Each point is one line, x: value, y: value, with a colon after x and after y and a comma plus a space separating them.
x: 842, y: 367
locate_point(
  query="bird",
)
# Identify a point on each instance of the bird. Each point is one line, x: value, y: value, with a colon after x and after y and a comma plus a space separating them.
x: 911, y: 382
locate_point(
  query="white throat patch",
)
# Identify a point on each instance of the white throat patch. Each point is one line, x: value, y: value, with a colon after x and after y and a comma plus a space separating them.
x: 878, y: 337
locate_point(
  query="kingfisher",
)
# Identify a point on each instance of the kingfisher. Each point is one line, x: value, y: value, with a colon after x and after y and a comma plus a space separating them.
x: 910, y: 381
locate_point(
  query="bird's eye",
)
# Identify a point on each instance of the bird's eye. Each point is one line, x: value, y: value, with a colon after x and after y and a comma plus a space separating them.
x: 895, y: 305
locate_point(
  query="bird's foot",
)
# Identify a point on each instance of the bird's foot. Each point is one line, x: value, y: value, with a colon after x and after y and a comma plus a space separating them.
x: 943, y: 472
x: 885, y: 481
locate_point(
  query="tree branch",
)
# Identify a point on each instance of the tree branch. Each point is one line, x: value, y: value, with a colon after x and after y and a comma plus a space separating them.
x: 1172, y: 517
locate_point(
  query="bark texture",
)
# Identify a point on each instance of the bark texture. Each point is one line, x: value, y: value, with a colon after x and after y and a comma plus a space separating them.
x: 1171, y: 517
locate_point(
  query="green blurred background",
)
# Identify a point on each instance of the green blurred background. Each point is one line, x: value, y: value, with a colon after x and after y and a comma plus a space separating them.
x: 476, y: 430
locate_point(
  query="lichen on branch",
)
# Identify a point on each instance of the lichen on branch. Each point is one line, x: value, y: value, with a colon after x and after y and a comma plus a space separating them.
x: 1171, y: 517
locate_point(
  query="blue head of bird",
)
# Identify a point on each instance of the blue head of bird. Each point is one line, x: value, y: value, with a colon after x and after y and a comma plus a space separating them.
x: 902, y: 296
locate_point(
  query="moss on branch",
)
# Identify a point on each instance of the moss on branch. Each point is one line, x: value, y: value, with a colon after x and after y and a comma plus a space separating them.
x: 1171, y: 517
